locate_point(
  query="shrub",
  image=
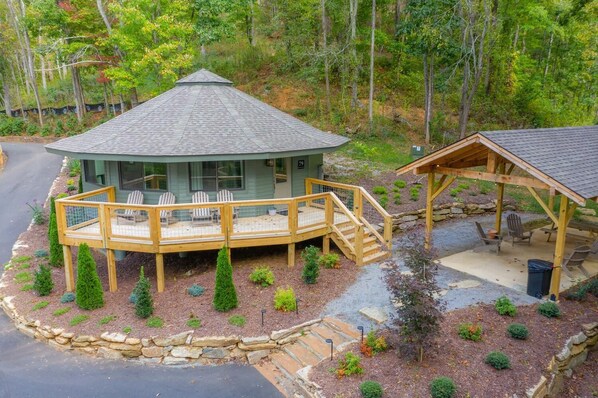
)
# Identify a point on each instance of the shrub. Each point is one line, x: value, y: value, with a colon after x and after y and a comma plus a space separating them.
x: 454, y: 192
x: 77, y: 319
x: 442, y: 387
x: 414, y: 193
x: 194, y: 323
x: 284, y: 299
x: 374, y: 344
x: 371, y: 389
x: 196, y: 290
x: 397, y: 198
x: 237, y: 320
x: 504, y: 306
x: 132, y: 297
x: 582, y: 290
x: 154, y: 322
x: 144, y: 304
x: 56, y: 259
x: 23, y: 277
x: 225, y: 295
x: 383, y: 200
x: 106, y: 320
x: 400, y: 184
x: 462, y: 186
x: 127, y: 329
x: 43, y: 283
x: 350, y: 365
x: 90, y: 294
x: 31, y: 129
x: 37, y: 213
x: 469, y: 331
x: 41, y: 253
x: 311, y: 269
x: 549, y: 309
x: 330, y: 260
x: 498, y: 360
x: 262, y: 276
x: 40, y: 305
x: 26, y: 287
x: 518, y: 331
x: 61, y: 311
x: 379, y: 190
x: 68, y: 297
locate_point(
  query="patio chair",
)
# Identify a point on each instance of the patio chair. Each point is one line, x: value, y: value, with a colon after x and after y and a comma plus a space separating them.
x: 488, y: 241
x: 166, y: 217
x: 131, y: 216
x: 227, y: 196
x: 576, y: 259
x: 516, y: 232
x: 201, y: 215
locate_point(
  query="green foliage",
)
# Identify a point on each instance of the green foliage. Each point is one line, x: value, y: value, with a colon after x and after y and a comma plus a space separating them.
x: 23, y: 277
x: 237, y: 320
x: 377, y: 344
x: 61, y: 311
x: 127, y: 329
x: 225, y: 294
x: 196, y: 290
x: 400, y: 183
x: 579, y: 292
x: 77, y: 319
x: 454, y: 192
x: 311, y: 269
x: 144, y: 304
x: 56, y: 256
x: 68, y: 297
x: 106, y: 320
x: 498, y: 360
x: 469, y: 331
x: 43, y: 283
x: 154, y: 322
x: 194, y: 323
x: 349, y: 365
x: 442, y: 387
x: 330, y: 260
x: 549, y: 309
x: 262, y: 276
x: 26, y: 287
x: 518, y: 331
x: 40, y: 305
x: 414, y: 193
x: 38, y: 213
x: 383, y: 201
x: 380, y: 190
x: 11, y: 126
x: 463, y: 186
x: 371, y: 389
x: 41, y: 253
x: 90, y: 294
x: 285, y: 300
x: 504, y: 306
x: 397, y: 198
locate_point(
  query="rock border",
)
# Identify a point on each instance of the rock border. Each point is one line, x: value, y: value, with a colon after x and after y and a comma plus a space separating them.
x: 574, y: 353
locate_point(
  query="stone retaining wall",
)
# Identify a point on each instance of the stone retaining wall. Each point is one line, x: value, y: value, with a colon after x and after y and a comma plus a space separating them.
x: 573, y: 354
x: 180, y: 349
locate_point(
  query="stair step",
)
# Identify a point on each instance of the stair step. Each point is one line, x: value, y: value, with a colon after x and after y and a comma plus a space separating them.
x: 286, y: 364
x: 376, y: 257
x: 316, y: 345
x: 329, y: 333
x: 275, y: 377
x: 342, y: 327
x: 302, y: 354
x: 367, y: 250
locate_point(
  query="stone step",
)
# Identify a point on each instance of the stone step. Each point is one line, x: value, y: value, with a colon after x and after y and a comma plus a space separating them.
x: 302, y: 354
x: 316, y: 345
x: 342, y: 327
x: 286, y: 364
x: 328, y: 333
x: 275, y: 377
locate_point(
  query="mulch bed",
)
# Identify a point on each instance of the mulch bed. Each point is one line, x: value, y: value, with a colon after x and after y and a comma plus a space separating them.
x: 463, y: 361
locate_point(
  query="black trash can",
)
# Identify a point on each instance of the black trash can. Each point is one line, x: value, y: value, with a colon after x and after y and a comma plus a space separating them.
x: 539, y: 273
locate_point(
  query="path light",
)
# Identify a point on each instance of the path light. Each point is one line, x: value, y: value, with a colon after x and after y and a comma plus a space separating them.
x: 263, y: 312
x: 361, y: 328
x: 297, y: 300
x: 329, y: 341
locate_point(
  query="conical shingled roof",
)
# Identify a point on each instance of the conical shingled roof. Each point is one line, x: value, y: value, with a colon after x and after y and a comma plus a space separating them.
x: 203, y: 117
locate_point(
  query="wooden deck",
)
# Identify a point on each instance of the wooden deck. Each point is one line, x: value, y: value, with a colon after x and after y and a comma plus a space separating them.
x: 347, y: 214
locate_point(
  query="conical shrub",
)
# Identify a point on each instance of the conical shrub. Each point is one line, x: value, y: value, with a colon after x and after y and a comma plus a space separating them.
x: 144, y: 304
x: 56, y: 256
x: 43, y: 283
x: 90, y: 294
x: 225, y: 295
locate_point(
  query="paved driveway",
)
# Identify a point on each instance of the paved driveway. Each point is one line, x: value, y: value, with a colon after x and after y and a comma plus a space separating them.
x: 31, y: 369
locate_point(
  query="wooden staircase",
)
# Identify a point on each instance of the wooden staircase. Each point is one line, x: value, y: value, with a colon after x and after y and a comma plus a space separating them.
x: 373, y: 250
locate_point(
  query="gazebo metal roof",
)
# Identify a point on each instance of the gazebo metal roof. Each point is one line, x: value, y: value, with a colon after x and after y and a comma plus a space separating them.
x: 202, y: 118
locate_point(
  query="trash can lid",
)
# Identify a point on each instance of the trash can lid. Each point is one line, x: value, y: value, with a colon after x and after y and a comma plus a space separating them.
x: 538, y: 265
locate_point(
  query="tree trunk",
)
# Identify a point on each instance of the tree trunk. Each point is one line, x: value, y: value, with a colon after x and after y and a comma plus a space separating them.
x: 6, y: 95
x: 106, y: 105
x: 428, y: 94
x: 31, y: 68
x: 549, y: 53
x: 325, y: 50
x: 399, y: 5
x: 16, y: 82
x: 78, y: 93
x: 352, y: 39
x: 134, y: 98
x: 372, y: 47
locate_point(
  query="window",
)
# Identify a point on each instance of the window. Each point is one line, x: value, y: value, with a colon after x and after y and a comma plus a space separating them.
x: 214, y: 176
x: 281, y: 171
x: 143, y: 176
x: 94, y: 172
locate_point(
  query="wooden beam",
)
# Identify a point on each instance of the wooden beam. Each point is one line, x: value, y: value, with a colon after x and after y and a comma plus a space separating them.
x: 443, y: 187
x: 467, y: 164
x: 291, y: 255
x: 326, y: 244
x: 111, y: 262
x: 555, y: 282
x: 571, y: 211
x: 68, y: 268
x: 546, y: 208
x: 500, y: 193
x: 429, y: 210
x: 160, y: 272
x: 491, y: 163
x: 510, y: 170
x: 501, y: 178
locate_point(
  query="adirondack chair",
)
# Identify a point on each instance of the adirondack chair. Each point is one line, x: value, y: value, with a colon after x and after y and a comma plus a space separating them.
x: 516, y: 232
x: 200, y: 215
x: 576, y: 259
x: 227, y: 196
x: 131, y: 216
x: 488, y: 241
x: 166, y: 217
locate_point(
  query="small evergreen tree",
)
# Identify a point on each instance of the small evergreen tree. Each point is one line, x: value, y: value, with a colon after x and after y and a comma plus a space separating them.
x: 90, y: 294
x: 225, y: 295
x: 311, y: 269
x: 56, y: 256
x: 80, y: 190
x: 144, y: 304
x: 43, y: 283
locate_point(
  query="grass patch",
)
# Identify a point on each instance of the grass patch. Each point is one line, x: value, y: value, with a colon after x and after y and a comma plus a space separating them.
x: 40, y: 305
x: 155, y: 322
x: 127, y: 329
x: 21, y: 259
x: 77, y: 319
x: 237, y: 320
x: 27, y: 287
x: 23, y: 266
x: 194, y: 323
x: 106, y: 320
x: 23, y: 277
x: 61, y: 311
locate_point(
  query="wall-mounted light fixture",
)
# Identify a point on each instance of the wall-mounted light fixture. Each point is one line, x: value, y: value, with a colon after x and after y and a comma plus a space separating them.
x: 270, y: 162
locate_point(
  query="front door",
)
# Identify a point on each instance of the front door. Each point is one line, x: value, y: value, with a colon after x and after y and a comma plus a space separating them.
x: 282, y: 178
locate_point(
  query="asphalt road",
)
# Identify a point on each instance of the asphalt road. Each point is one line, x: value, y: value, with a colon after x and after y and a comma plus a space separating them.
x: 31, y: 369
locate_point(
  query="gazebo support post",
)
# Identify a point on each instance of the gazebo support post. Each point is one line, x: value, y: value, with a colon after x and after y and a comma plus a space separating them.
x: 112, y: 284
x: 291, y: 256
x: 326, y: 244
x: 160, y: 271
x: 499, y: 200
x: 559, y: 250
x: 68, y: 268
x: 429, y: 210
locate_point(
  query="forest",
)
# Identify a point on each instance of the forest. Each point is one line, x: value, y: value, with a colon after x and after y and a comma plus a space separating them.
x: 393, y: 71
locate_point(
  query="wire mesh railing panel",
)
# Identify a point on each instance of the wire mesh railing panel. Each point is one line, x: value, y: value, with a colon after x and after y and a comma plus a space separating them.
x: 195, y: 221
x: 129, y: 222
x: 370, y: 213
x: 346, y: 195
x: 311, y: 213
x: 100, y: 197
x: 82, y: 218
x: 260, y: 219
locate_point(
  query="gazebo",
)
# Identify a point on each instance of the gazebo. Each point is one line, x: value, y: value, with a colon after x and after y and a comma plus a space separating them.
x: 561, y: 161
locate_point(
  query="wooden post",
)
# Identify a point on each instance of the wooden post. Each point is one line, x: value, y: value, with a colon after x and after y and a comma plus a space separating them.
x: 329, y: 215
x: 112, y: 283
x: 551, y: 202
x: 555, y: 282
x: 429, y: 210
x: 68, y: 268
x: 160, y: 271
x: 357, y: 203
x: 326, y: 244
x: 499, y: 199
x: 291, y: 256
x: 359, y: 245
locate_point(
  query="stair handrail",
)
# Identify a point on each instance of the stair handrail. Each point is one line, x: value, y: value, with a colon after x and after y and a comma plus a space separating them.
x: 386, y: 240
x: 356, y: 249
